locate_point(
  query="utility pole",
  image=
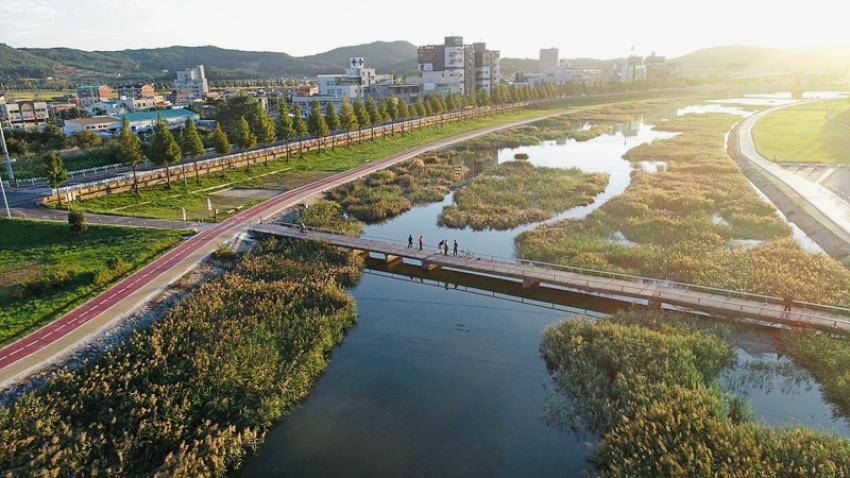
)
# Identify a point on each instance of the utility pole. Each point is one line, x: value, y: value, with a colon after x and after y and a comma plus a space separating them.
x: 9, y: 169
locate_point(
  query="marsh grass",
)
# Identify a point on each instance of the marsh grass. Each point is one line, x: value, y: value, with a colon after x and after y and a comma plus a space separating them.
x: 517, y: 192
x: 194, y: 393
x: 649, y: 385
x: 670, y: 216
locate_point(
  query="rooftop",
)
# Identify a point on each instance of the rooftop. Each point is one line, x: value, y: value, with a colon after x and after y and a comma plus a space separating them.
x: 93, y: 121
x: 152, y: 115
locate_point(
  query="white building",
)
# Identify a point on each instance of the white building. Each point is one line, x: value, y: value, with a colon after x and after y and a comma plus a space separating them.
x: 358, y: 81
x: 137, y: 104
x: 103, y: 125
x: 549, y: 61
x: 23, y: 114
x: 191, y: 85
x: 569, y: 74
x: 139, y: 122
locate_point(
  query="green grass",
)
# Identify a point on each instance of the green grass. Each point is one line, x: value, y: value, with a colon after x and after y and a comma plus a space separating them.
x: 805, y: 133
x: 159, y: 202
x: 45, y: 270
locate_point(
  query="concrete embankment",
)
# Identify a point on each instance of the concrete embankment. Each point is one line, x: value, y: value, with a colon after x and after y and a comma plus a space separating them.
x: 829, y: 236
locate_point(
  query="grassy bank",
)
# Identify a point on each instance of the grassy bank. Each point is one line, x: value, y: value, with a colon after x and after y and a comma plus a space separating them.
x: 160, y: 202
x: 699, y: 221
x: 647, y: 383
x: 517, y: 192
x: 46, y: 270
x: 191, y: 395
x: 806, y: 133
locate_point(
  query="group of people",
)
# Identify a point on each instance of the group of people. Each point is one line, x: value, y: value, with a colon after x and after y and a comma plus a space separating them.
x: 442, y: 247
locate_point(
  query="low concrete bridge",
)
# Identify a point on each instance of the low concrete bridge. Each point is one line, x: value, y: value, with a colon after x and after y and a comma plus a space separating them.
x: 655, y: 292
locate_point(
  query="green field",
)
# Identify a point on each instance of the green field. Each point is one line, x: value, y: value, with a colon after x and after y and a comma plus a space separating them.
x: 160, y: 202
x: 810, y: 132
x: 46, y: 270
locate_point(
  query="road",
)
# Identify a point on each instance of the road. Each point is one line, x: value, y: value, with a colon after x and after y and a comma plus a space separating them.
x: 54, y: 340
x: 827, y: 203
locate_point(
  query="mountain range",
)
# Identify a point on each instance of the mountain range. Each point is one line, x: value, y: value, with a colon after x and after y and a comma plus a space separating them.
x: 397, y: 57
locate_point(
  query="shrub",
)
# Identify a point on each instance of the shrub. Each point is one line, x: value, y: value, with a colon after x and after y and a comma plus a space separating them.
x: 77, y: 221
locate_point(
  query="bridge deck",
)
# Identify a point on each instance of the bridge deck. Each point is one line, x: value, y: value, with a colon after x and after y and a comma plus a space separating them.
x: 715, y: 302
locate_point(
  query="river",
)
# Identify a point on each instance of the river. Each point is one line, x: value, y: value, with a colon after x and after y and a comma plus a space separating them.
x: 445, y: 380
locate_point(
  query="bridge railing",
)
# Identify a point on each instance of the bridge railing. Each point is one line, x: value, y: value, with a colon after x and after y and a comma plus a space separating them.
x: 767, y: 300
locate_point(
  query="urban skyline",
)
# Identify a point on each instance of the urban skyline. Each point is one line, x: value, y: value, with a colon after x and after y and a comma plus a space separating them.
x: 519, y: 33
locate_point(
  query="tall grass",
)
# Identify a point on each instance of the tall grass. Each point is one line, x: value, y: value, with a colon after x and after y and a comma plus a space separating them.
x: 650, y: 388
x: 671, y: 218
x: 517, y: 192
x: 191, y: 395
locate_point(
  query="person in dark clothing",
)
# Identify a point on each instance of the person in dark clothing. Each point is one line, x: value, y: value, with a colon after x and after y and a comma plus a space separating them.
x: 454, y: 247
x: 440, y: 247
x: 421, y: 243
x: 788, y: 302
x: 303, y: 228
x: 410, y: 241
x: 446, y: 246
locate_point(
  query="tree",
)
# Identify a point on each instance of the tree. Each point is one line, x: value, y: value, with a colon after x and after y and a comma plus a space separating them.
x: 242, y: 136
x: 483, y: 97
x: 130, y: 149
x: 372, y: 109
x: 192, y: 145
x: 384, y: 110
x: 220, y: 141
x: 348, y: 119
x: 164, y: 150
x: 55, y: 172
x: 317, y: 124
x: 77, y: 221
x: 421, y: 110
x: 332, y: 119
x: 262, y: 126
x: 284, y: 122
x: 402, y: 111
x: 363, y: 118
x: 392, y: 107
x: 230, y: 112
x: 298, y: 123
x: 86, y: 139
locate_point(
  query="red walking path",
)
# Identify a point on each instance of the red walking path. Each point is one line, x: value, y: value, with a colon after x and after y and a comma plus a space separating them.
x: 33, y: 351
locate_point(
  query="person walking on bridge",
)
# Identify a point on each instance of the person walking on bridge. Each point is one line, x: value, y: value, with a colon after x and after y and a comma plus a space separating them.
x: 788, y: 302
x: 421, y: 243
x: 303, y: 228
x: 410, y: 241
x: 454, y: 247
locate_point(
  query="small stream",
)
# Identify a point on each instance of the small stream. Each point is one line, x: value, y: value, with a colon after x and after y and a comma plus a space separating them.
x: 440, y: 381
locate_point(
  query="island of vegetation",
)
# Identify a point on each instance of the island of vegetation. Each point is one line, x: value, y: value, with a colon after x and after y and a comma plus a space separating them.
x: 648, y: 384
x: 517, y: 192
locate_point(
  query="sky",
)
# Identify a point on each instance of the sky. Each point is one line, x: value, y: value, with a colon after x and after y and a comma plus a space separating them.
x: 590, y: 28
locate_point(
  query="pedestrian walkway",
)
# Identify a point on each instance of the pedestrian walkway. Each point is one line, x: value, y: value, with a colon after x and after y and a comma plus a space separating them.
x: 532, y: 274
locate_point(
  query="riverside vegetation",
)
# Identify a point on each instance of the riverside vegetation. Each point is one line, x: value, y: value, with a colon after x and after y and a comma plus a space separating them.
x: 498, y: 197
x: 648, y: 383
x: 692, y: 223
x: 46, y: 270
x: 517, y: 192
x: 194, y: 392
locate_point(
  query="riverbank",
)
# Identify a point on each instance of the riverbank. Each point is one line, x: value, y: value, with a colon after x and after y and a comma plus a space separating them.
x: 647, y: 382
x: 47, y: 270
x: 699, y: 221
x: 192, y: 394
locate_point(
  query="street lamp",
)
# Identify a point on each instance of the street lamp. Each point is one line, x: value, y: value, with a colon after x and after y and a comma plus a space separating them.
x: 9, y: 169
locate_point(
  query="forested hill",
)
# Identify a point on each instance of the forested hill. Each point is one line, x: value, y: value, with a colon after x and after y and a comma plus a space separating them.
x: 220, y: 63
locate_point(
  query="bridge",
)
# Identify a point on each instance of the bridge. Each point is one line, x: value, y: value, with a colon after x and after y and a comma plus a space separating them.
x: 533, y: 274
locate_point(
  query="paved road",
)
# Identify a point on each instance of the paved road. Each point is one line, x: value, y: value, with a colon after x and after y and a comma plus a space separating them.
x: 51, y: 341
x: 829, y: 204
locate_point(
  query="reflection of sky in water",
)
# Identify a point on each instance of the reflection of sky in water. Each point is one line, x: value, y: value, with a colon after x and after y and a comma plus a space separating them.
x: 599, y: 155
x: 777, y: 99
x: 778, y: 392
x: 713, y: 108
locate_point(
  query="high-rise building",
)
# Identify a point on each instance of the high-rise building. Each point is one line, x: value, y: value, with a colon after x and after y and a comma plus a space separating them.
x: 549, y: 61
x: 457, y: 68
x: 191, y: 85
x: 486, y: 67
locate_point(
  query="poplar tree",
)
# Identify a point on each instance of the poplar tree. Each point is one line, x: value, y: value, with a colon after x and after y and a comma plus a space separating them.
x: 164, y: 148
x: 362, y: 114
x: 316, y: 123
x: 130, y: 149
x: 243, y: 137
x: 283, y: 129
x: 220, y: 141
x: 348, y: 119
x: 192, y: 145
x: 262, y: 126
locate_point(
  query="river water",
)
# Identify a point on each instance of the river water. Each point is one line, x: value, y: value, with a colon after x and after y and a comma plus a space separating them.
x: 438, y: 379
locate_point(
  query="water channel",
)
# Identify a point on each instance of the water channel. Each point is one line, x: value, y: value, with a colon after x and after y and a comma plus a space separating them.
x: 440, y: 380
